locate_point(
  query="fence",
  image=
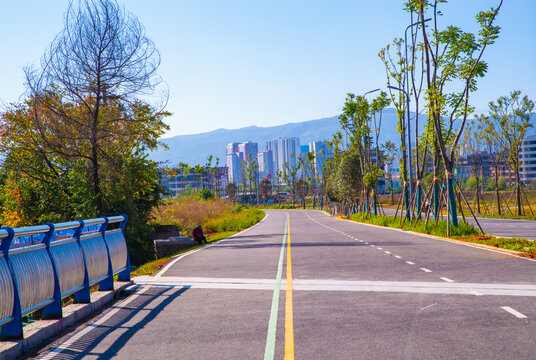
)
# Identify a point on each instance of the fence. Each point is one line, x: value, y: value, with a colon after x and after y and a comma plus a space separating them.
x: 42, y: 265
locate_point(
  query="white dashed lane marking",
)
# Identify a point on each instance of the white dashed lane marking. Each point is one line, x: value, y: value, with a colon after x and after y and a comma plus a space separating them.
x: 426, y: 270
x: 410, y: 263
x: 513, y: 312
x: 446, y: 279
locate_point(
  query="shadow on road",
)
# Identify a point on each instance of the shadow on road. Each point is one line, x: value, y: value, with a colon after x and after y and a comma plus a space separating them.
x: 84, y: 346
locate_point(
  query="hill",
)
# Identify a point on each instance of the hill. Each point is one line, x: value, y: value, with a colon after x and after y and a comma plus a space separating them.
x: 194, y: 149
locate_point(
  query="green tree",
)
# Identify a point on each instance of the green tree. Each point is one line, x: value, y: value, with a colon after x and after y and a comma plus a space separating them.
x: 507, y: 123
x: 453, y: 59
x: 90, y: 88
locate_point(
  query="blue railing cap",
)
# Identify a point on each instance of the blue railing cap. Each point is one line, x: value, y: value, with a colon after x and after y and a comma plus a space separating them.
x: 115, y: 219
x: 66, y: 225
x: 91, y: 222
x: 31, y: 230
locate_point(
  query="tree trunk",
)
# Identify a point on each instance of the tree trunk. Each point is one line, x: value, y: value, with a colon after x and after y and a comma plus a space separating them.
x: 518, y: 195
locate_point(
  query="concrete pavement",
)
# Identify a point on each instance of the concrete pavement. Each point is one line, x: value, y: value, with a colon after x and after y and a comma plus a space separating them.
x: 347, y: 291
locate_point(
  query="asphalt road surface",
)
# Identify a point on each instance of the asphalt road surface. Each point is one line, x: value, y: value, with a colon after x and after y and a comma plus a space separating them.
x: 304, y: 285
x: 500, y: 227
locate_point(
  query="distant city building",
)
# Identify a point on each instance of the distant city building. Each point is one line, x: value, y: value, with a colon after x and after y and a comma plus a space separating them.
x: 322, y: 152
x: 176, y: 182
x: 231, y: 148
x: 265, y: 159
x: 236, y: 154
x: 528, y: 159
x: 284, y: 150
x: 234, y: 168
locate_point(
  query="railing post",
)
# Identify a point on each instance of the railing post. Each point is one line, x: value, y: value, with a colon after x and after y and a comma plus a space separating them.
x: 83, y: 295
x: 108, y: 283
x: 53, y: 310
x: 125, y: 274
x: 13, y: 329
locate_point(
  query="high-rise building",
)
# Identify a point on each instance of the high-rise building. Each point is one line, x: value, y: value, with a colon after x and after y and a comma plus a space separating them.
x: 234, y: 168
x: 322, y: 153
x: 248, y: 151
x: 236, y: 154
x: 284, y: 150
x: 266, y: 164
x: 528, y: 159
x: 231, y: 148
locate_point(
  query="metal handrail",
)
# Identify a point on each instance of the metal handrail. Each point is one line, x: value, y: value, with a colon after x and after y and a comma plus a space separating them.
x: 39, y: 276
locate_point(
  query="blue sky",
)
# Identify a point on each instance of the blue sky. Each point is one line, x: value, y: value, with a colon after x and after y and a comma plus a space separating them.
x: 230, y: 64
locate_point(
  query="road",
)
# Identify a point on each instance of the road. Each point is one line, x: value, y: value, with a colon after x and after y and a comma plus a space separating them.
x: 500, y: 227
x: 304, y: 285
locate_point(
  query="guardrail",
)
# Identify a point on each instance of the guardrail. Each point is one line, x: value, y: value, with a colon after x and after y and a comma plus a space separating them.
x: 56, y: 261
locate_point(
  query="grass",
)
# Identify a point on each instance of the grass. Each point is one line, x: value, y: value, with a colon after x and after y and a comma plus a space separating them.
x: 463, y: 232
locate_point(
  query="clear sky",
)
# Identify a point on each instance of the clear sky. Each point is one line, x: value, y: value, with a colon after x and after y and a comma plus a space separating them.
x: 230, y: 64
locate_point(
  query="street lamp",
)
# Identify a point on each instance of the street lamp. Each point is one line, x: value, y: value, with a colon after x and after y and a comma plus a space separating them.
x: 371, y: 91
x: 409, y: 137
x: 407, y: 97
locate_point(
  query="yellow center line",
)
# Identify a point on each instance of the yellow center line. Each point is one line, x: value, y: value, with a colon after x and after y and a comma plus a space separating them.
x: 289, y: 318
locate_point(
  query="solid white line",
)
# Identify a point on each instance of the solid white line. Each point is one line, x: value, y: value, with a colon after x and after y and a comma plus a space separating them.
x: 513, y: 312
x: 65, y: 345
x: 446, y: 279
x: 426, y: 270
x: 410, y: 263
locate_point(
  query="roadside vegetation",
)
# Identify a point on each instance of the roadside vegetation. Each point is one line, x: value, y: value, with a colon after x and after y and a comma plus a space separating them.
x: 219, y: 218
x: 463, y: 232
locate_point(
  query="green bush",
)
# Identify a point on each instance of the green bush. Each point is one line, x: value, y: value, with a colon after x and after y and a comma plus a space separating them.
x: 234, y: 221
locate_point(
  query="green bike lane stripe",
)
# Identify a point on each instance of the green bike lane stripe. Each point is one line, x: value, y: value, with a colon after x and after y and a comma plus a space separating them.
x: 269, y: 352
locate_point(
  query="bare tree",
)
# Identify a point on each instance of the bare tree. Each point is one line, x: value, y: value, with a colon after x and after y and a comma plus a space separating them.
x: 102, y: 58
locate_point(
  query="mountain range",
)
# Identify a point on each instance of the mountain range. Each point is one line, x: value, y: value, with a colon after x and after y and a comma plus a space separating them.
x: 194, y: 149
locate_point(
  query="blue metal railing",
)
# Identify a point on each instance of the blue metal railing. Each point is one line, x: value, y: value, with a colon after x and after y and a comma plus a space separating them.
x: 42, y: 265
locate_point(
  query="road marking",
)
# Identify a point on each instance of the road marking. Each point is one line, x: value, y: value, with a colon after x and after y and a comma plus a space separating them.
x: 446, y: 279
x: 440, y: 287
x: 427, y: 307
x: 289, y: 316
x: 269, y: 351
x: 513, y: 312
x: 426, y: 270
x: 372, y: 245
x: 410, y: 263
x: 52, y: 353
x: 380, y: 248
x: 387, y: 252
x: 366, y: 243
x: 398, y: 257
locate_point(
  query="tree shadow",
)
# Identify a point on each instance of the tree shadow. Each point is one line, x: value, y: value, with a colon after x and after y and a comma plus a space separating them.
x: 85, y: 345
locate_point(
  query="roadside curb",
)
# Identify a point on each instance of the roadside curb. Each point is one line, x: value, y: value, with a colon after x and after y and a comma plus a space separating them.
x: 38, y: 333
x: 514, y: 253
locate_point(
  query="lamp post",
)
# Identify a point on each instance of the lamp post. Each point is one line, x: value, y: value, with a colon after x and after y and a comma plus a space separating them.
x: 409, y: 137
x: 374, y: 197
x: 371, y: 91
